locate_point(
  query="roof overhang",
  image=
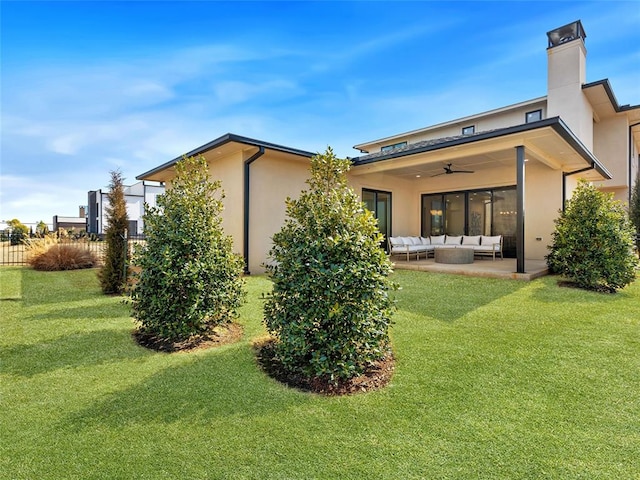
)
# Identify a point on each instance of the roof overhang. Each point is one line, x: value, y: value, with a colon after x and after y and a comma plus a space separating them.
x: 224, y: 145
x: 549, y: 141
x: 604, y: 102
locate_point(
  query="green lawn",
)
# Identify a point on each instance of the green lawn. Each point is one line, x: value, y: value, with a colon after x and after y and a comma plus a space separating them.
x: 494, y: 379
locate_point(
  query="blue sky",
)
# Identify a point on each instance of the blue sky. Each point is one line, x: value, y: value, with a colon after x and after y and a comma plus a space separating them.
x: 88, y: 87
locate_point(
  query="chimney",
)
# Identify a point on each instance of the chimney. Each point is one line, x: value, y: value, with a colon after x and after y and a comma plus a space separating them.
x: 566, y: 73
x: 83, y: 211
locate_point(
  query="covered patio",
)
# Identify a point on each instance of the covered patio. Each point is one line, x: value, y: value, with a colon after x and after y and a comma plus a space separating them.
x: 540, y: 161
x: 479, y: 268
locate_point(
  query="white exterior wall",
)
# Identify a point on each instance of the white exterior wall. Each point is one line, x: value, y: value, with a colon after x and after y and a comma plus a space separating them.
x: 501, y: 118
x: 566, y: 73
x: 135, y: 197
x: 611, y: 144
x: 405, y: 210
x: 273, y: 178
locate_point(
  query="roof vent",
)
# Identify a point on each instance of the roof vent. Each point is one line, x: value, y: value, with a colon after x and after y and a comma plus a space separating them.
x: 566, y: 34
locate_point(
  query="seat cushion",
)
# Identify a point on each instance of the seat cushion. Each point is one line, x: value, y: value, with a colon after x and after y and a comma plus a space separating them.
x: 471, y: 240
x: 484, y: 240
x: 437, y: 240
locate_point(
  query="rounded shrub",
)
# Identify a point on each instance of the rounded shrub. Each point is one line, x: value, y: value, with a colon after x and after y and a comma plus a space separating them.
x: 593, y: 241
x: 190, y: 281
x: 330, y: 309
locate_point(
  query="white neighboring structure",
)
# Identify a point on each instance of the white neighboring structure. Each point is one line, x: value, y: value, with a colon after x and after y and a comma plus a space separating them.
x: 135, y: 195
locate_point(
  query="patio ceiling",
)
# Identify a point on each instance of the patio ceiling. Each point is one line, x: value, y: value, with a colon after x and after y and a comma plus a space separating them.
x: 551, y: 144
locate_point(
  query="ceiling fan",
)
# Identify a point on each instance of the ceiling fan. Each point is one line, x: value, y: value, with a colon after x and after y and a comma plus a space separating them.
x: 448, y: 171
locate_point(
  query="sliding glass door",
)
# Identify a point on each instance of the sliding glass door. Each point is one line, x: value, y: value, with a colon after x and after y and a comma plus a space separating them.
x: 474, y: 212
x: 479, y: 213
x: 432, y: 215
x: 379, y: 203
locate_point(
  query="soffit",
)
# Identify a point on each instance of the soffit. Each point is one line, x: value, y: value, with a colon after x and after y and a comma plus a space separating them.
x: 542, y: 145
x: 600, y: 101
x: 605, y: 105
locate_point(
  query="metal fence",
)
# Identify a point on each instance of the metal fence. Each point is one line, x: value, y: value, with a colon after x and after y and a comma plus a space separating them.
x: 20, y: 253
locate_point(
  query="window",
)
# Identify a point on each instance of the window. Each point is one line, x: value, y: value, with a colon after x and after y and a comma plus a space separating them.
x: 379, y: 203
x: 533, y: 116
x: 472, y: 212
x: 469, y: 130
x: 388, y: 148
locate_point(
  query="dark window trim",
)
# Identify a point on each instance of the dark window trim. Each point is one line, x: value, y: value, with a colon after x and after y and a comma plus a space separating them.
x: 472, y: 127
x: 526, y: 116
x: 466, y: 193
x: 375, y: 192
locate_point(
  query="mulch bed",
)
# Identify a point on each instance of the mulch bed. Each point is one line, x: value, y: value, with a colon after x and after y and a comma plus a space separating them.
x: 218, y: 336
x: 374, y: 378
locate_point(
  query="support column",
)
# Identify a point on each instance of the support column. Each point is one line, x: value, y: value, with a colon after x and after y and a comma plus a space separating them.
x: 520, y: 177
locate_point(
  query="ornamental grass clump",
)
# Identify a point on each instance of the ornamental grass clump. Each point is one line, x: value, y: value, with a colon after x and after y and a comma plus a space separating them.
x: 330, y: 308
x: 190, y: 280
x: 593, y: 241
x: 63, y: 257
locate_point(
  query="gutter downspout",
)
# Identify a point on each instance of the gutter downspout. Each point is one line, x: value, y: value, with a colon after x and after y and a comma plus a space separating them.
x: 564, y: 184
x: 247, y: 164
x: 631, y: 159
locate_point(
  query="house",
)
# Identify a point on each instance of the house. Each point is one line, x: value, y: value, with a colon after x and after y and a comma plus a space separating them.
x: 504, y: 172
x: 77, y: 224
x: 256, y: 177
x: 135, y: 195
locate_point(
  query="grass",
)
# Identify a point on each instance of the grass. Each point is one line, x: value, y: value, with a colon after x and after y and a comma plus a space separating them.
x: 494, y: 379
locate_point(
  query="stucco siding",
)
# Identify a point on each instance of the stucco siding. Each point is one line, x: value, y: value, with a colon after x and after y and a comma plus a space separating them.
x: 273, y: 178
x: 611, y: 144
x: 228, y: 169
x: 405, y: 210
x: 543, y: 201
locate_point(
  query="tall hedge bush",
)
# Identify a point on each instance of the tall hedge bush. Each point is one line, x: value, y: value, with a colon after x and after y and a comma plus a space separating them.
x: 593, y: 241
x: 190, y: 280
x: 113, y: 274
x: 330, y: 308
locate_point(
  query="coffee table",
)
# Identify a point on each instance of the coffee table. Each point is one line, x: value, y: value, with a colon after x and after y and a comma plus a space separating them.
x: 454, y: 255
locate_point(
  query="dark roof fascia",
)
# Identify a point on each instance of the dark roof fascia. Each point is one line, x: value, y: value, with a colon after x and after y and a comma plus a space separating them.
x: 220, y: 141
x: 565, y: 132
x: 554, y: 122
x: 612, y: 98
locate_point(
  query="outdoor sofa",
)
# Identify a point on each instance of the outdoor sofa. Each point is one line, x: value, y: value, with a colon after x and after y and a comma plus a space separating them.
x: 481, y: 245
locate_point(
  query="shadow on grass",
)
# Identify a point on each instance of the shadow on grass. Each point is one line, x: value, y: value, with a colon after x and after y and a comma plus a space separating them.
x: 70, y: 351
x: 10, y: 284
x: 40, y: 288
x: 449, y: 297
x: 105, y: 308
x: 558, y: 290
x: 215, y: 384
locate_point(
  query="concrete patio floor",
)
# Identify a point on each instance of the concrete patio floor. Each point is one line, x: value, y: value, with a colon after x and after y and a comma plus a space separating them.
x: 481, y: 267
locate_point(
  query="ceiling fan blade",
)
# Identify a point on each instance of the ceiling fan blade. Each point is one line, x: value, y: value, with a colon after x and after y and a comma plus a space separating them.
x: 462, y: 171
x: 438, y: 174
